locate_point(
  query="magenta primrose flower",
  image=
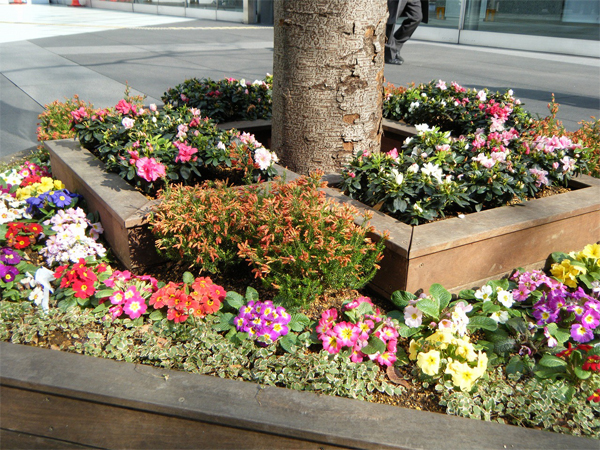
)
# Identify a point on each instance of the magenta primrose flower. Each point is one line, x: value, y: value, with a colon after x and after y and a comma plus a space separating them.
x: 580, y: 333
x: 263, y: 321
x: 135, y: 307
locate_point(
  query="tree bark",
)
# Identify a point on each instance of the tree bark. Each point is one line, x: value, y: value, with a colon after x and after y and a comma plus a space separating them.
x: 327, y: 81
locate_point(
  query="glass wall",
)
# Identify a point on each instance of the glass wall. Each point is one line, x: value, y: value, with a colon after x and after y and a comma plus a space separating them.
x: 573, y: 19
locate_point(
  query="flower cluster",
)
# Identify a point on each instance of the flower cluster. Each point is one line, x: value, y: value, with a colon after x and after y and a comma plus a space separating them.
x: 80, y: 280
x: 12, y: 209
x: 225, y: 100
x: 71, y: 241
x: 443, y: 353
x: 149, y: 146
x: 130, y: 293
x: 21, y: 235
x: 263, y: 321
x: 51, y: 200
x: 199, y: 299
x: 496, y: 301
x: 34, y: 189
x: 9, y: 258
x: 367, y: 334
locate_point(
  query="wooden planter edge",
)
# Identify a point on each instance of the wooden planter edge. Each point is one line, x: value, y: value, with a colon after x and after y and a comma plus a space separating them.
x: 235, y: 408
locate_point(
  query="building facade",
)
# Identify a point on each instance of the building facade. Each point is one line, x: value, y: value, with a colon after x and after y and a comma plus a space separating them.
x: 570, y: 27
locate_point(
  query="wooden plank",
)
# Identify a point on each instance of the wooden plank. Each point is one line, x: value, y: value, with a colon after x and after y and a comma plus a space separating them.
x: 477, y: 261
x: 104, y: 426
x: 15, y: 440
x: 240, y: 407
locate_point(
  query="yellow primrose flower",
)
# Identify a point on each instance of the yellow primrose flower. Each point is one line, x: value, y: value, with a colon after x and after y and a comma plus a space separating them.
x: 441, y: 338
x: 591, y: 251
x: 463, y: 376
x: 482, y: 362
x: 465, y: 350
x: 58, y: 185
x: 25, y: 192
x: 429, y: 362
x: 566, y: 272
x: 413, y: 349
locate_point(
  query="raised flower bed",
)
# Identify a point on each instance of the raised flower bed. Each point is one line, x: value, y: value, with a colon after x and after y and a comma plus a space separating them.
x: 56, y: 399
x: 454, y: 252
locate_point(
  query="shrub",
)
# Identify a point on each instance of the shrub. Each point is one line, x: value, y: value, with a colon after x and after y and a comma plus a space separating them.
x: 292, y: 237
x: 56, y: 120
x: 149, y: 147
x: 588, y: 135
x: 225, y: 100
x: 437, y: 174
x: 455, y: 108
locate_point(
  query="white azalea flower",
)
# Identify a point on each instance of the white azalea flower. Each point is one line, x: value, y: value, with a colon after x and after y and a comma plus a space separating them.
x: 397, y: 176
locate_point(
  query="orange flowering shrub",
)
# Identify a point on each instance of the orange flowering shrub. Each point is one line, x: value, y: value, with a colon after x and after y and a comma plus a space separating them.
x: 55, y: 121
x: 293, y: 238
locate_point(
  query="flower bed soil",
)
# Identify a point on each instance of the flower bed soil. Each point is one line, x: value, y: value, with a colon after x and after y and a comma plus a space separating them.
x: 55, y: 399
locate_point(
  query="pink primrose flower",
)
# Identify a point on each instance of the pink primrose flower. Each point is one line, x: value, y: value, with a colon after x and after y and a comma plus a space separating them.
x: 331, y: 343
x: 149, y: 169
x: 117, y: 298
x: 135, y: 307
x: 347, y: 333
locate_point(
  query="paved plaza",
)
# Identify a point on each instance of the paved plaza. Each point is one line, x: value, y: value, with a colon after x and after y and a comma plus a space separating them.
x: 51, y: 52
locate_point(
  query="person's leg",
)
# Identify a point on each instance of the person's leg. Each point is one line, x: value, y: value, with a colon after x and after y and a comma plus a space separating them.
x: 414, y: 16
x: 394, y: 8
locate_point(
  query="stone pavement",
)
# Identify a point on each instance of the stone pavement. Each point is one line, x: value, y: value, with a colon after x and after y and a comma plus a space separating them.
x: 51, y: 52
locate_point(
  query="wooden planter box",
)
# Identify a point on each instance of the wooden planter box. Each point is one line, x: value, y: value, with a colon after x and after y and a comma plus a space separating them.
x: 53, y: 399
x: 458, y: 253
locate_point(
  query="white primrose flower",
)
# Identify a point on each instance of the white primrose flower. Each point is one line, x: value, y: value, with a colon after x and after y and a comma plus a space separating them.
x: 500, y: 316
x: 506, y: 298
x: 484, y: 293
x: 413, y: 317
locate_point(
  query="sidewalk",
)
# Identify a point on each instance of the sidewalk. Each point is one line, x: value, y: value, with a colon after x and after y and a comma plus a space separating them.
x: 51, y: 52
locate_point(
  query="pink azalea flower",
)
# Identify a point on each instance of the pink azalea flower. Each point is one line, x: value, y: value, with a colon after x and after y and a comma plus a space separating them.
x: 393, y: 153
x: 185, y: 151
x: 149, y: 169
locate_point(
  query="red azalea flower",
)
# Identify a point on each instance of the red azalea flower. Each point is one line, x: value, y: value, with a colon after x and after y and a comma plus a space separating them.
x: 83, y: 289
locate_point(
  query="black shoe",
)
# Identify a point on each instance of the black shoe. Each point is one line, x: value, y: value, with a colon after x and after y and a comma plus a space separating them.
x: 398, y: 61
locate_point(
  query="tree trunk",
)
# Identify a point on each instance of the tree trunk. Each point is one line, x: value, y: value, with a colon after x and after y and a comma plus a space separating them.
x: 327, y: 81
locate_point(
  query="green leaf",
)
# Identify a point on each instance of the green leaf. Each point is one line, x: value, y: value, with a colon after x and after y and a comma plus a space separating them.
x: 581, y: 374
x: 515, y: 365
x: 299, y: 322
x: 552, y: 361
x: 156, y: 315
x: 548, y: 372
x: 104, y: 293
x: 482, y: 322
x: 251, y: 294
x: 517, y: 324
x: 430, y: 307
x: 442, y: 296
x: 468, y: 294
x: 225, y: 322
x: 288, y: 342
x: 234, y: 300
x: 373, y: 346
x: 402, y: 298
x: 405, y: 331
x: 188, y: 278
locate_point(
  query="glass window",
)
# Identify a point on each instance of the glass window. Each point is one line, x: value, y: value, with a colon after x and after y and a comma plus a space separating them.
x: 575, y: 19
